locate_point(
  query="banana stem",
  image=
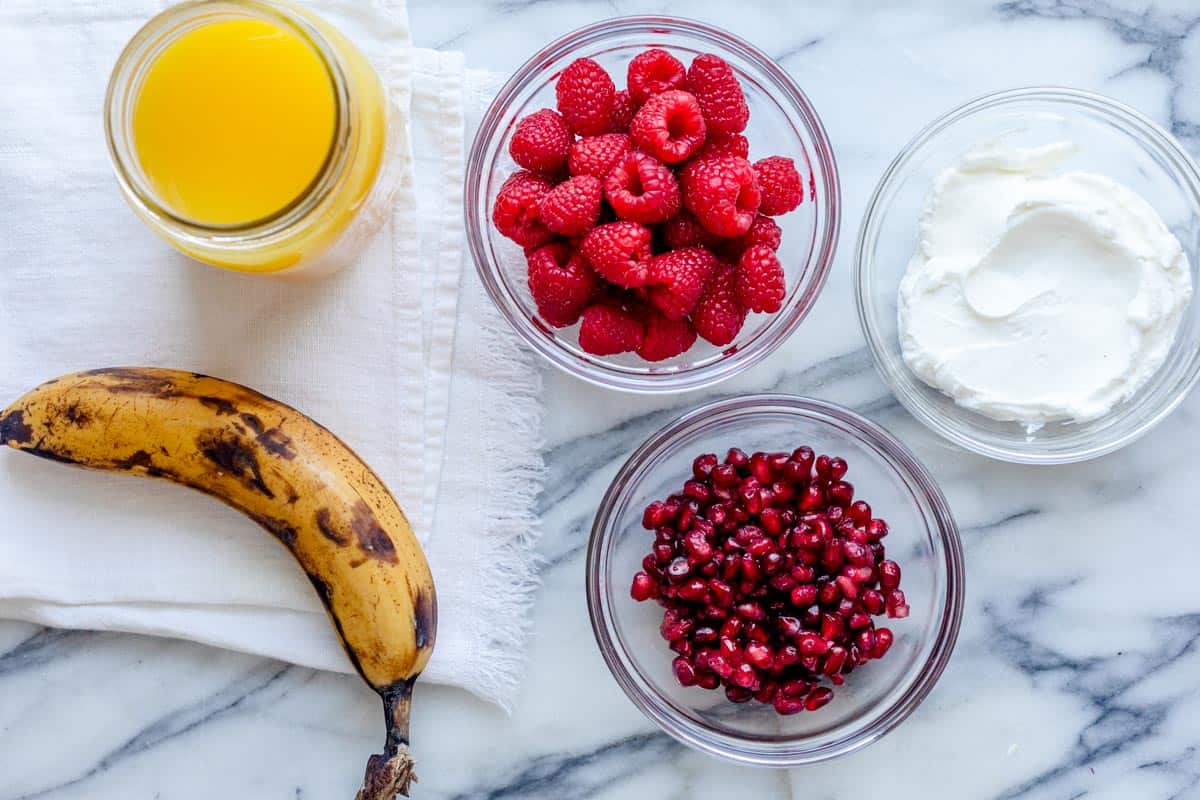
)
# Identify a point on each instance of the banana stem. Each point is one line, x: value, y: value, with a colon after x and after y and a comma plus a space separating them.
x: 391, y: 773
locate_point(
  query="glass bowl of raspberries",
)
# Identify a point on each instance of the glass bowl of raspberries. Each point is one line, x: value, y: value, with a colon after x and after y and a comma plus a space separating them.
x: 652, y: 203
x: 775, y: 580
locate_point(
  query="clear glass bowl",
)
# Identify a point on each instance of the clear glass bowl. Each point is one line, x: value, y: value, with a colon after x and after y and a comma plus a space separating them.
x: 923, y: 539
x: 1115, y: 140
x: 782, y: 122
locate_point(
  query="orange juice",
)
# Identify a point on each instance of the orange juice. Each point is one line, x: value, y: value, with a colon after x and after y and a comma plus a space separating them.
x: 233, y: 121
x: 253, y: 135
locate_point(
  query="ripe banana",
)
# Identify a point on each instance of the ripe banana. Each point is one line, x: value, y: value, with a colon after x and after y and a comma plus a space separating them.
x: 287, y: 473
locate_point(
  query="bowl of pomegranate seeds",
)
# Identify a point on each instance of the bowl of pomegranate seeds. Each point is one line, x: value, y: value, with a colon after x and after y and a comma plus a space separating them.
x: 652, y: 203
x: 775, y: 580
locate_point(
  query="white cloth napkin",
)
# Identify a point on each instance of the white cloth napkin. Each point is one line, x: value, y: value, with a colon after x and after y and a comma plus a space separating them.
x: 401, y: 354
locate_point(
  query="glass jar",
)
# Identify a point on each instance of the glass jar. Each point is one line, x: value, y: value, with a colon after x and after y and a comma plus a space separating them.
x: 324, y: 227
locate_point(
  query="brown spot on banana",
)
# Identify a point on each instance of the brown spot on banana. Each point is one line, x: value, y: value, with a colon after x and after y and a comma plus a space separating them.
x: 235, y: 456
x: 13, y: 430
x: 325, y: 525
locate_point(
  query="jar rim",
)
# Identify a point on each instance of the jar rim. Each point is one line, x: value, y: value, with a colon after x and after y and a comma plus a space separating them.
x: 144, y: 49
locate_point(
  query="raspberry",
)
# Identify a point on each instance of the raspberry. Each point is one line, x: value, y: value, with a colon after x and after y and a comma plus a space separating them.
x: 561, y: 282
x: 780, y: 184
x: 719, y: 315
x: 573, y: 207
x: 722, y: 193
x: 761, y: 284
x: 653, y: 72
x: 622, y: 112
x: 585, y: 97
x: 762, y: 231
x: 665, y: 338
x: 726, y: 144
x: 683, y: 230
x: 516, y: 211
x: 620, y: 252
x: 641, y: 189
x: 669, y: 126
x: 720, y: 96
x: 607, y: 330
x: 541, y: 142
x: 597, y: 155
x: 678, y: 279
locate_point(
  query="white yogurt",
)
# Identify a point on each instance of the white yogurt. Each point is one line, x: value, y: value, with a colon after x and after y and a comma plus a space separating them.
x: 1035, y: 296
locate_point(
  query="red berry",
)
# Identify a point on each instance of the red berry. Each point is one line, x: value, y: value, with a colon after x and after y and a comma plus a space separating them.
x: 678, y: 279
x: 669, y: 126
x: 561, y: 282
x: 761, y: 284
x: 573, y: 207
x: 620, y: 252
x: 653, y: 72
x: 683, y: 230
x: 516, y: 211
x: 720, y: 96
x: 641, y: 189
x: 762, y: 231
x: 597, y: 155
x: 725, y: 144
x: 541, y: 142
x: 722, y: 193
x: 780, y: 184
x: 622, y: 112
x: 607, y: 331
x: 585, y: 97
x: 665, y: 338
x: 719, y: 315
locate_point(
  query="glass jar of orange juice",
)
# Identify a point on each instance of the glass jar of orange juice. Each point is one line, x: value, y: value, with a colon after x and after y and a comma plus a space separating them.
x: 252, y: 135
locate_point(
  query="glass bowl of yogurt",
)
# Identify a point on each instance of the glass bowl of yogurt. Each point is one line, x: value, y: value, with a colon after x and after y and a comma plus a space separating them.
x: 1024, y: 275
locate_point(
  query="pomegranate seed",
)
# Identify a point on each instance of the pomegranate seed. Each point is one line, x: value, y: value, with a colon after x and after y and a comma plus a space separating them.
x: 840, y: 494
x: 694, y: 591
x: 772, y: 521
x: 681, y: 646
x: 832, y: 557
x: 704, y: 635
x: 760, y: 655
x: 835, y: 659
x: 767, y: 693
x: 837, y: 468
x: 719, y: 666
x: 761, y: 469
x: 736, y: 694
x: 708, y: 681
x: 822, y: 465
x: 722, y: 593
x: 859, y: 574
x: 737, y: 458
x: 803, y: 574
x: 731, y: 568
x: 703, y: 466
x: 810, y: 644
x: 787, y: 705
x: 848, y: 587
x: 732, y: 628
x: 679, y: 569
x: 818, y: 697
x: 855, y: 553
x: 865, y: 640
x: 751, y: 611
x: 782, y: 582
x: 788, y: 627
x: 831, y: 626
x: 828, y: 594
x: 883, y: 643
x: 655, y: 515
x: 684, y: 671
x: 811, y: 618
x: 746, y: 676
x: 889, y: 575
x: 897, y: 608
x: 810, y: 663
x: 716, y: 514
x: 788, y: 654
x: 715, y: 613
x: 725, y: 476
x: 858, y: 621
x: 876, y: 530
x: 804, y: 595
x: 860, y: 512
x: 872, y: 601
x: 643, y: 587
x: 663, y: 553
x: 751, y: 572
x: 697, y: 546
x: 811, y: 498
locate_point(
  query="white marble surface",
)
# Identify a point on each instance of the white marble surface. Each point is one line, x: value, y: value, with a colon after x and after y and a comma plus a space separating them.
x: 1077, y: 673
